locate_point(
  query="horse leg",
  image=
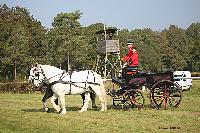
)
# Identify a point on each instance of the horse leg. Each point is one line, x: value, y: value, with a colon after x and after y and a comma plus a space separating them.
x: 100, y: 91
x: 83, y: 98
x: 47, y: 95
x: 62, y: 102
x: 93, y: 97
x: 102, y: 103
x: 86, y: 102
x: 53, y: 98
x: 44, y: 99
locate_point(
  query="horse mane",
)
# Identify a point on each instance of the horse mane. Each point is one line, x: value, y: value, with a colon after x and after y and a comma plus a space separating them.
x: 52, y: 69
x: 49, y: 67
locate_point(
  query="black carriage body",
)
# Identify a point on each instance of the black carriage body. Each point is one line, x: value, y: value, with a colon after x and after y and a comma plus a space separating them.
x: 148, y: 79
x: 133, y: 78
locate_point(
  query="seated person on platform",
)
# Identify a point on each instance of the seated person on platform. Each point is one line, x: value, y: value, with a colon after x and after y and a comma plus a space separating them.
x: 131, y: 58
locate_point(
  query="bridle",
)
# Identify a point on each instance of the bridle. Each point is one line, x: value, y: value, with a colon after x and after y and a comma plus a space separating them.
x: 37, y: 75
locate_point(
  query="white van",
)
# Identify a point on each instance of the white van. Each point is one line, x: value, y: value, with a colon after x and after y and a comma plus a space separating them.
x: 186, y: 84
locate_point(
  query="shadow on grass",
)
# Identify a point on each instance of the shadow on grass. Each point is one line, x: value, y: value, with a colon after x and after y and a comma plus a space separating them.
x: 32, y: 110
x: 109, y: 107
x: 52, y: 110
x: 130, y: 107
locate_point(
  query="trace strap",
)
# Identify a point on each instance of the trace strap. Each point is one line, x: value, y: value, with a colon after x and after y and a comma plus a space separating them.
x: 74, y: 83
x: 69, y: 82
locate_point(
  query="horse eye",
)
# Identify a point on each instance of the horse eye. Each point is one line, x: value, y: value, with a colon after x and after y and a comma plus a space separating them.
x: 37, y: 75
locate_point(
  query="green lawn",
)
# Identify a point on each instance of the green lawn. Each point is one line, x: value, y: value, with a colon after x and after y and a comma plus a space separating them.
x: 21, y: 113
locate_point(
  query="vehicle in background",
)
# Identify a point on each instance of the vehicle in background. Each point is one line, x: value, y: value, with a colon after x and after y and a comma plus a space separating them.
x: 183, y: 78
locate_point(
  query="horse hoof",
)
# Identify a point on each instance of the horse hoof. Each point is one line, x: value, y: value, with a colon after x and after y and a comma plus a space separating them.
x: 94, y: 106
x: 62, y: 113
x: 80, y: 111
x: 45, y: 109
x: 58, y: 110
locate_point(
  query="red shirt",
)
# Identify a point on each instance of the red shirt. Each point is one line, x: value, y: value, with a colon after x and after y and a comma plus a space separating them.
x: 131, y: 58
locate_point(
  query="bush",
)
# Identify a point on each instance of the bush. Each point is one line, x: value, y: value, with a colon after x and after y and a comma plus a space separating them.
x: 16, y: 87
x: 195, y: 74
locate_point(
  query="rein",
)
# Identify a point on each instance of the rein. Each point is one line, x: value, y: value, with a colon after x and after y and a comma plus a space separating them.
x: 72, y: 83
x: 54, y: 75
x: 67, y: 82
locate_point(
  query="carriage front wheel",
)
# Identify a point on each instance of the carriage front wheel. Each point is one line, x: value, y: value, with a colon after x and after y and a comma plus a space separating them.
x: 133, y: 98
x: 167, y: 93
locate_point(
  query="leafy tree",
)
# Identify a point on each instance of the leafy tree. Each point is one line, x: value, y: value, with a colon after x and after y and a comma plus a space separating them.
x: 124, y: 36
x: 17, y: 36
x: 148, y: 47
x: 64, y: 38
x: 23, y: 41
x: 90, y: 36
x: 193, y: 35
x: 176, y: 48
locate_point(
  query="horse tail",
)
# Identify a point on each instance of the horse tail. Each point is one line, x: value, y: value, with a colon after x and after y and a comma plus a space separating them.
x: 103, y: 92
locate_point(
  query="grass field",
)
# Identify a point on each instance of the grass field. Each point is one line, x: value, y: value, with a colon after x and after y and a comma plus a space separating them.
x: 21, y: 113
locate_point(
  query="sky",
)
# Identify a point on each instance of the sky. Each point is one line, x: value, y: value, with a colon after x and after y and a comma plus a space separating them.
x: 123, y: 14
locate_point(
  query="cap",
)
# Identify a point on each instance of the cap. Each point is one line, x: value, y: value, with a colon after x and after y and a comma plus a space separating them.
x: 129, y: 42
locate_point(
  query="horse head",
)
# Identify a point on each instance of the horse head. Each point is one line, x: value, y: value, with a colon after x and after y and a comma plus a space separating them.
x: 36, y: 76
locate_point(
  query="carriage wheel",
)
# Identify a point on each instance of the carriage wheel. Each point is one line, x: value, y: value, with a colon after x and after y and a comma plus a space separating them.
x: 117, y: 102
x: 133, y: 98
x: 166, y: 92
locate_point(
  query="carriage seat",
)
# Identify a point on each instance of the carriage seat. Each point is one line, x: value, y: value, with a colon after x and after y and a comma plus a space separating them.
x: 129, y: 70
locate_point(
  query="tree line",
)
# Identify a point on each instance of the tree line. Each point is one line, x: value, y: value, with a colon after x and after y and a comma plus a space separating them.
x: 25, y: 41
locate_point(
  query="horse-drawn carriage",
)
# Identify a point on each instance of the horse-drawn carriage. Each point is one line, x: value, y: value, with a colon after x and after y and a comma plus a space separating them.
x: 161, y: 86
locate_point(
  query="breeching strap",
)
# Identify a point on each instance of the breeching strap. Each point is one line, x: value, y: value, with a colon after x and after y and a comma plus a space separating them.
x: 74, y: 83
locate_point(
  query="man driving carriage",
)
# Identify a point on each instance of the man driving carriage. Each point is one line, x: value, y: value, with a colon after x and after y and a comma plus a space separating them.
x: 132, y: 57
x: 131, y: 60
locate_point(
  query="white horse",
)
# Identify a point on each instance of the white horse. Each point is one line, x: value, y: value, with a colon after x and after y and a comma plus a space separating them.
x: 63, y: 83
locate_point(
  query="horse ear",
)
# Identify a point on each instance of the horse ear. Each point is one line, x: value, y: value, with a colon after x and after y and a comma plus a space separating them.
x: 36, y: 64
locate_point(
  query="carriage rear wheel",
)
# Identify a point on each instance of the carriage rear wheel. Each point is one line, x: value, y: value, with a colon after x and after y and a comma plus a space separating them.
x: 166, y: 92
x: 133, y: 98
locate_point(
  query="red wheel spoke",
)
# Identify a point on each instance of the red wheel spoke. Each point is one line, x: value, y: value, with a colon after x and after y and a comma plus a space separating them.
x: 167, y: 92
